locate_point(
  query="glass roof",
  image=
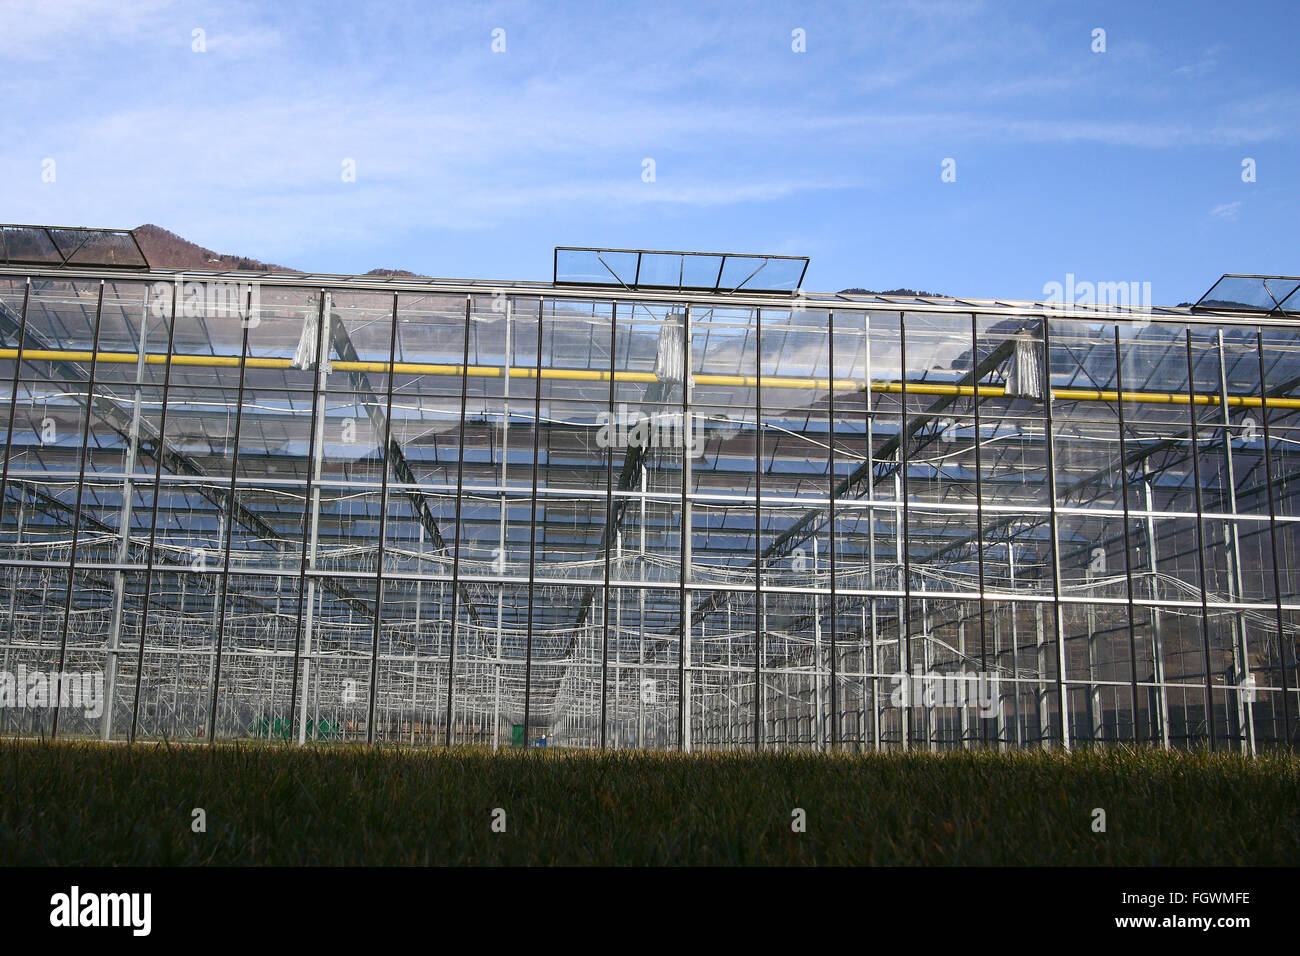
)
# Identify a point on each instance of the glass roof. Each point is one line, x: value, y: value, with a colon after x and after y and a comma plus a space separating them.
x: 1241, y: 293
x: 73, y: 245
x: 678, y: 271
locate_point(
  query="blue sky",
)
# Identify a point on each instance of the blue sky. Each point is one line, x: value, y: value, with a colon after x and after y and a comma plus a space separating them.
x: 1115, y: 166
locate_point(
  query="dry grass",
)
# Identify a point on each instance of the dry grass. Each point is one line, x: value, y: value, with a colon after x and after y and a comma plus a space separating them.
x: 96, y: 804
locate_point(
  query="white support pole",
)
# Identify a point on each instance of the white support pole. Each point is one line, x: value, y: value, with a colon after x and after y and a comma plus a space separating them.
x: 310, y: 700
x: 1157, y: 642
x: 124, y: 535
x: 687, y: 527
x: 1240, y: 638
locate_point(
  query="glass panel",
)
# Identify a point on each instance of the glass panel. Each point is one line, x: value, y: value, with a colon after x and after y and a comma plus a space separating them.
x: 1248, y: 293
x: 595, y: 267
x: 753, y: 273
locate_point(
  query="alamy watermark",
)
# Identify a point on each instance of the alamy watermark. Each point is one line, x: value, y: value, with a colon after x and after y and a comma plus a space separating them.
x: 41, y: 690
x: 1106, y: 295
x: 629, y: 429
x: 208, y: 298
x: 975, y: 689
x: 75, y: 908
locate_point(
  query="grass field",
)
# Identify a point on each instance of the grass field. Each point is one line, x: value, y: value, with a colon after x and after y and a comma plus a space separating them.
x: 97, y: 804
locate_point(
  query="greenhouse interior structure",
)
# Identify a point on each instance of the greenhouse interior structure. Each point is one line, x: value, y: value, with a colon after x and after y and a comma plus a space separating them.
x: 666, y: 500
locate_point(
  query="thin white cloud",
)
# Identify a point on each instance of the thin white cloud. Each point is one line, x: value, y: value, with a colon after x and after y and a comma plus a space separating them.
x: 1206, y: 63
x: 1228, y: 210
x: 243, y: 44
x: 39, y: 30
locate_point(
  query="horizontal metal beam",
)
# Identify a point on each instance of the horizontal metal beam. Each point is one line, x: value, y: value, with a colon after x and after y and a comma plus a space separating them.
x: 950, y: 391
x: 821, y: 301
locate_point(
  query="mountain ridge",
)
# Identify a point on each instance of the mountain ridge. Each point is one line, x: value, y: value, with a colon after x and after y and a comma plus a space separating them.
x: 167, y: 250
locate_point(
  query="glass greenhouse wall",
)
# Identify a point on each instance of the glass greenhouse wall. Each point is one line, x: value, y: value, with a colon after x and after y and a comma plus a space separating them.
x: 431, y: 512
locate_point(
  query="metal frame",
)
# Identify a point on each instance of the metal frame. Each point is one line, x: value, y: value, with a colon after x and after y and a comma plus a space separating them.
x: 637, y: 285
x: 698, y: 604
x: 66, y: 257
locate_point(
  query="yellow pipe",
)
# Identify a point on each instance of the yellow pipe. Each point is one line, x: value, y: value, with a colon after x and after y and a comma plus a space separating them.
x: 589, y: 375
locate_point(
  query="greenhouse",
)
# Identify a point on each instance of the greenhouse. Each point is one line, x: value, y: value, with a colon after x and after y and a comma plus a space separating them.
x: 666, y: 500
